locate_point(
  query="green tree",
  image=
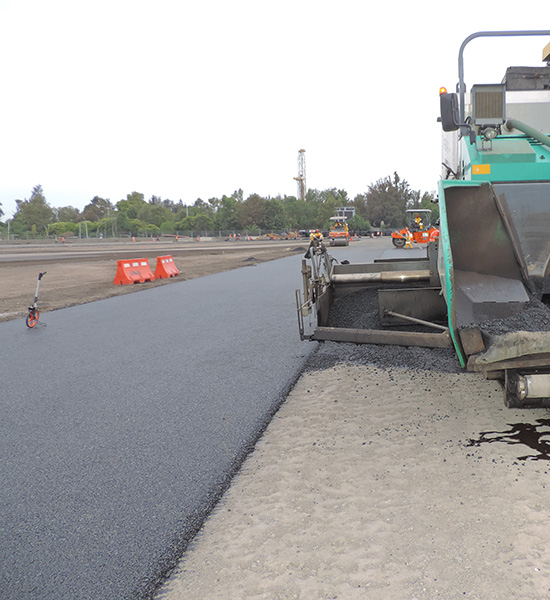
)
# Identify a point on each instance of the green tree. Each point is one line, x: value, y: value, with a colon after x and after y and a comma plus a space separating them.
x: 214, y: 204
x: 184, y: 224
x: 202, y: 208
x: 301, y: 214
x: 329, y: 201
x: 68, y: 213
x: 358, y: 223
x: 275, y: 218
x: 168, y: 227
x: 35, y: 211
x: 202, y: 222
x: 17, y: 227
x: 360, y: 204
x: 62, y: 227
x: 97, y: 209
x: 123, y: 223
x: 170, y: 205
x: 137, y: 227
x: 342, y: 195
x: 159, y: 214
x: 132, y: 211
x: 145, y: 213
x: 135, y: 200
x: 252, y: 212
x: 387, y: 201
x: 107, y: 226
x: 227, y: 213
x: 151, y: 229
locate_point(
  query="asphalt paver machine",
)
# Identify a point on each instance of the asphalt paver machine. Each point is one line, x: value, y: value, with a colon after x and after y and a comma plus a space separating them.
x: 483, y: 287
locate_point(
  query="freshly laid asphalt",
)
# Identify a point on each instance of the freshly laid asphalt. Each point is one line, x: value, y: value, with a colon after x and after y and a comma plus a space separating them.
x: 123, y: 420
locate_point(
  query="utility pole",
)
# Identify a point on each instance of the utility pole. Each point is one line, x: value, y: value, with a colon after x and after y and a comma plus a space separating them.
x: 109, y: 217
x: 301, y: 179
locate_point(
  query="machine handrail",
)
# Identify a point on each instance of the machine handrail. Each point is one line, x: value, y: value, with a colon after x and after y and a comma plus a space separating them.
x: 461, y: 87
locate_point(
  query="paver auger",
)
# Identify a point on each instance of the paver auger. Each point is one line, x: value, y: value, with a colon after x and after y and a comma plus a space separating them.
x: 483, y: 287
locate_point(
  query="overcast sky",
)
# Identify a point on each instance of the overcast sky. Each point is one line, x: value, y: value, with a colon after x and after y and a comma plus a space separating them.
x: 193, y: 99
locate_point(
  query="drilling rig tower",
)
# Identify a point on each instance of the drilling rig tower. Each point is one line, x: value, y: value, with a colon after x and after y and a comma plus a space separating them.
x: 301, y: 179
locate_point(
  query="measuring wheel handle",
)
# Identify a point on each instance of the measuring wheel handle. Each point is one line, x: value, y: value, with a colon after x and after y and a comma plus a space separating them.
x: 33, y: 315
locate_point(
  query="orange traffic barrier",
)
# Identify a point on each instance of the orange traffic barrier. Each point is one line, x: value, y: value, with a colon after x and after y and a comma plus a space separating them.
x: 136, y: 270
x: 166, y: 267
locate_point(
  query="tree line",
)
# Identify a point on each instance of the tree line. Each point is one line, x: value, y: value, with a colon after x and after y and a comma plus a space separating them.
x: 383, y: 205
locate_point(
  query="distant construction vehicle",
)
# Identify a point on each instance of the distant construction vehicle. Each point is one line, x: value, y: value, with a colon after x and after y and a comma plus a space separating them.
x: 339, y: 232
x: 419, y: 228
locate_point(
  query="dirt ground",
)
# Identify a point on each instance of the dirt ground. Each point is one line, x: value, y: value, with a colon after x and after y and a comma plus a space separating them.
x: 382, y: 484
x: 80, y: 272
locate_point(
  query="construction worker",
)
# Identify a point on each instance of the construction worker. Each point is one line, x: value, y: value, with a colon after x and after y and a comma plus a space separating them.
x: 419, y: 223
x: 316, y: 235
x: 408, y: 238
x: 315, y: 239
